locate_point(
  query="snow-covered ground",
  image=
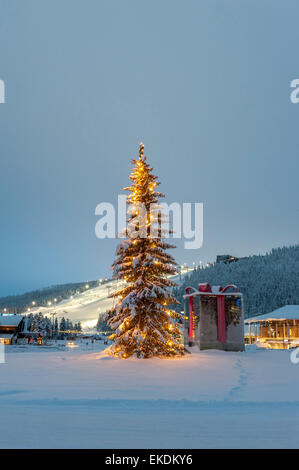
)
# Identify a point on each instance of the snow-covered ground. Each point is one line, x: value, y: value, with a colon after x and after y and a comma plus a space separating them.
x: 81, y: 398
x: 86, y: 306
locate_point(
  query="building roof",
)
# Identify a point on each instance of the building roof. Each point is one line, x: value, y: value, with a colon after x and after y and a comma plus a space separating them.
x: 10, y: 320
x: 6, y: 336
x: 288, y: 312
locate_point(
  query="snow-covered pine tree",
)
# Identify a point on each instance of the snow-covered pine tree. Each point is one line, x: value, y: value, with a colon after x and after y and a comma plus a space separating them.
x: 144, y: 324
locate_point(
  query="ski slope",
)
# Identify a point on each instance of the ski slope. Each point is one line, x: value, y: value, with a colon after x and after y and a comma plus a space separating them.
x: 88, y: 305
x: 84, y: 307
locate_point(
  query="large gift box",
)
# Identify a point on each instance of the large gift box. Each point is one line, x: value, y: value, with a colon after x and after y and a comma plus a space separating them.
x: 214, y: 318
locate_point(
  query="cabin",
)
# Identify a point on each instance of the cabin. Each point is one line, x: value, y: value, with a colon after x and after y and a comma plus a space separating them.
x: 275, y: 330
x: 226, y: 259
x: 10, y: 327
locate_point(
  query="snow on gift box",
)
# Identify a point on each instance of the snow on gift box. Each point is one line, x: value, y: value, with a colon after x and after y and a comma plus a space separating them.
x: 214, y: 317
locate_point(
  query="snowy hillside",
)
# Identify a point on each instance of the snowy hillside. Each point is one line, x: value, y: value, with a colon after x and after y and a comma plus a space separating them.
x: 85, y: 306
x: 20, y: 302
x: 88, y: 305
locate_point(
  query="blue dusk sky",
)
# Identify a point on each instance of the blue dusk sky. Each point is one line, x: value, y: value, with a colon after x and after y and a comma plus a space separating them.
x: 204, y: 84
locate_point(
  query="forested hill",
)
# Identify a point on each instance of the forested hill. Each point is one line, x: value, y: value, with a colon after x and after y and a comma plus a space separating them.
x: 267, y: 282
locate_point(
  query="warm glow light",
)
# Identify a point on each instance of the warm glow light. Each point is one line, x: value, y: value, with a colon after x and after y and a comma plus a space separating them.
x: 141, y: 322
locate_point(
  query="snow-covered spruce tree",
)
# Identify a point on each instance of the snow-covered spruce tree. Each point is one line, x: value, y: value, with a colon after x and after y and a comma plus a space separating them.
x: 143, y: 323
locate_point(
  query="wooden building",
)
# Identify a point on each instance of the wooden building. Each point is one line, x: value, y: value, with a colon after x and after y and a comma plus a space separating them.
x: 275, y: 330
x: 226, y: 259
x: 10, y: 326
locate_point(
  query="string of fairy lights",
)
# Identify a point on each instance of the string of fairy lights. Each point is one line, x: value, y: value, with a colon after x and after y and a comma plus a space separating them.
x: 145, y: 326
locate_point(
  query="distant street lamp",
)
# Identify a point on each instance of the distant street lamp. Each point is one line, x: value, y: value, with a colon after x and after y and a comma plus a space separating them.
x: 53, y: 323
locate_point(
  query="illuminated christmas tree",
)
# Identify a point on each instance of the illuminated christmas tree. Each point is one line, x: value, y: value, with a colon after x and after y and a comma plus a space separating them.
x: 144, y: 325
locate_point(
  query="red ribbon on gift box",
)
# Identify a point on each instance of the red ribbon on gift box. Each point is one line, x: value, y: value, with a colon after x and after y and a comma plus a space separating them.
x: 191, y: 331
x: 222, y: 336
